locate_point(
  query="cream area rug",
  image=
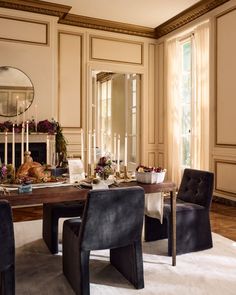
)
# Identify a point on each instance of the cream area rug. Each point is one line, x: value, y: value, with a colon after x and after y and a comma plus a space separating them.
x: 209, y: 272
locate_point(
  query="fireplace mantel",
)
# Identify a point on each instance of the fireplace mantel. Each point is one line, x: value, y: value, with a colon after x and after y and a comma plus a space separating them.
x: 42, y: 139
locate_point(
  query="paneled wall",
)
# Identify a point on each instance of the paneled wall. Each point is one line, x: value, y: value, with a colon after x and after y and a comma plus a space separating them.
x: 59, y: 59
x: 27, y: 42
x: 224, y: 102
x: 222, y: 151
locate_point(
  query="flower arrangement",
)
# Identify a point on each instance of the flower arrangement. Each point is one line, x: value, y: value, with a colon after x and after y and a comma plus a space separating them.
x: 44, y: 126
x: 6, y: 173
x: 150, y: 174
x: 142, y: 168
x: 104, y: 167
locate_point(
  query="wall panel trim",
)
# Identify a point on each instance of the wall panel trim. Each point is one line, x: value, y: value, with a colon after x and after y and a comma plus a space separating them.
x: 30, y: 21
x: 218, y: 190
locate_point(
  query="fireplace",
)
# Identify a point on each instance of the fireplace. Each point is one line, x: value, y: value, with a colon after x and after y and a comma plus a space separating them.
x: 37, y: 146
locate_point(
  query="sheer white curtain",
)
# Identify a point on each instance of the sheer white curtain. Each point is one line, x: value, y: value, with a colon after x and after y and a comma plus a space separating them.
x: 200, y: 107
x: 173, y: 111
x: 200, y: 139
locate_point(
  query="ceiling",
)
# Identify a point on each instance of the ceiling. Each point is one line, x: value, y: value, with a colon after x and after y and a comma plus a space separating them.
x: 148, y: 13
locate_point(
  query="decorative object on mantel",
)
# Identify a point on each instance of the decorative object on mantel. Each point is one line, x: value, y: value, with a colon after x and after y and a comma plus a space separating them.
x: 150, y: 174
x: 44, y: 126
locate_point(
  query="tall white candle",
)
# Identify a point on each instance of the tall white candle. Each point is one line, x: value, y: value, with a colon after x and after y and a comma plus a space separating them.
x: 102, y: 142
x: 118, y: 153
x: 13, y: 145
x: 36, y: 117
x: 114, y: 147
x: 23, y: 110
x: 82, y: 144
x: 47, y: 151
x: 5, y: 156
x: 89, y: 147
x: 17, y: 109
x: 94, y: 147
x: 27, y: 136
x: 125, y: 152
x: 22, y: 142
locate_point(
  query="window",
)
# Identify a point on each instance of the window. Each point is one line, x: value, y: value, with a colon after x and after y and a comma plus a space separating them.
x: 186, y: 98
x: 132, y: 109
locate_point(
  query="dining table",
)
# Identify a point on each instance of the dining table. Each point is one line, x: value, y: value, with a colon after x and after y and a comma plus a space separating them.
x: 73, y: 192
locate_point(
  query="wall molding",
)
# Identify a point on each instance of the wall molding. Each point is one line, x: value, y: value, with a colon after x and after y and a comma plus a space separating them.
x: 46, y: 24
x: 94, y: 37
x: 62, y: 11
x: 218, y: 190
x: 107, y: 25
x: 217, y: 143
x: 81, y: 36
x: 37, y: 6
x: 188, y: 15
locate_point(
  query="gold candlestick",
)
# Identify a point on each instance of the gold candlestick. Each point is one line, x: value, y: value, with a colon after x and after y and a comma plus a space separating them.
x: 125, y: 173
x: 89, y: 171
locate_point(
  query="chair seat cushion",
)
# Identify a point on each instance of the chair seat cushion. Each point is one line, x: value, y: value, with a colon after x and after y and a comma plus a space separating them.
x: 181, y: 206
x: 73, y: 224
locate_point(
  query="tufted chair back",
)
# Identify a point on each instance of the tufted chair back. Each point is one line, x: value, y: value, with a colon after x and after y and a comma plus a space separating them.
x: 119, y: 213
x: 196, y: 187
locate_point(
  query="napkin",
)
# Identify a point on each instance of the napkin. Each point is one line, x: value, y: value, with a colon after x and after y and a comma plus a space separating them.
x: 154, y: 204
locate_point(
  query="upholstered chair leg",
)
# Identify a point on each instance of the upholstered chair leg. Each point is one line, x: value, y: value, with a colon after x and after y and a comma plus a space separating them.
x: 7, y: 286
x: 50, y: 230
x: 154, y: 230
x: 75, y: 262
x: 128, y: 261
x: 193, y: 232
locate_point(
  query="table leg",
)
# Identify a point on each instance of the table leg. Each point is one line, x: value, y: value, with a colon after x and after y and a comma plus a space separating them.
x: 173, y: 221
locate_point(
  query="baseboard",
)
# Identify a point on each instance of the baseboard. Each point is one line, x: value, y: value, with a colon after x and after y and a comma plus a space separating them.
x: 224, y: 201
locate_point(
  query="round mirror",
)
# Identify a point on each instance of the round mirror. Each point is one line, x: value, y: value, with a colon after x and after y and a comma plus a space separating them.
x: 16, y: 92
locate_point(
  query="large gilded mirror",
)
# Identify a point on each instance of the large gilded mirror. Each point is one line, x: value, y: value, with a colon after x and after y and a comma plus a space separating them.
x: 16, y: 92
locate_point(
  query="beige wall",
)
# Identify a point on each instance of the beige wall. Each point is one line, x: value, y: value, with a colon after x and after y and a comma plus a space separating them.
x: 222, y: 152
x: 59, y: 59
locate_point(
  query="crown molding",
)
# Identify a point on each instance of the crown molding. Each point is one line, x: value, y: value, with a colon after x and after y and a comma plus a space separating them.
x: 107, y: 25
x: 62, y: 11
x: 37, y: 6
x: 187, y: 16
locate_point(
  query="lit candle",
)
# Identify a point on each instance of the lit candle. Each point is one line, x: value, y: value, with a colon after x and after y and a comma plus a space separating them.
x: 82, y: 144
x: 89, y: 147
x: 118, y: 153
x: 94, y: 147
x: 27, y: 136
x: 36, y: 117
x: 5, y: 159
x: 114, y: 147
x: 22, y: 142
x: 126, y: 147
x: 13, y: 145
x: 47, y: 150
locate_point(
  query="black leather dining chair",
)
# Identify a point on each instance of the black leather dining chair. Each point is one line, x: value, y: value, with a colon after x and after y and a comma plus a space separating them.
x: 193, y: 229
x: 52, y: 212
x: 112, y: 220
x: 7, y: 250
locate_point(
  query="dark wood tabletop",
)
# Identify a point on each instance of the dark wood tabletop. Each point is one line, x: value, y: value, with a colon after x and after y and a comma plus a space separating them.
x: 72, y: 193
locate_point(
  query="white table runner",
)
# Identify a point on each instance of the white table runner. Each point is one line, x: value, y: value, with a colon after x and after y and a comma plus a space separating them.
x: 154, y: 204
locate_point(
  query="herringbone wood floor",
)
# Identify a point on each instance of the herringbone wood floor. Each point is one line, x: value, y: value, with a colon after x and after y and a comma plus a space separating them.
x: 223, y: 218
